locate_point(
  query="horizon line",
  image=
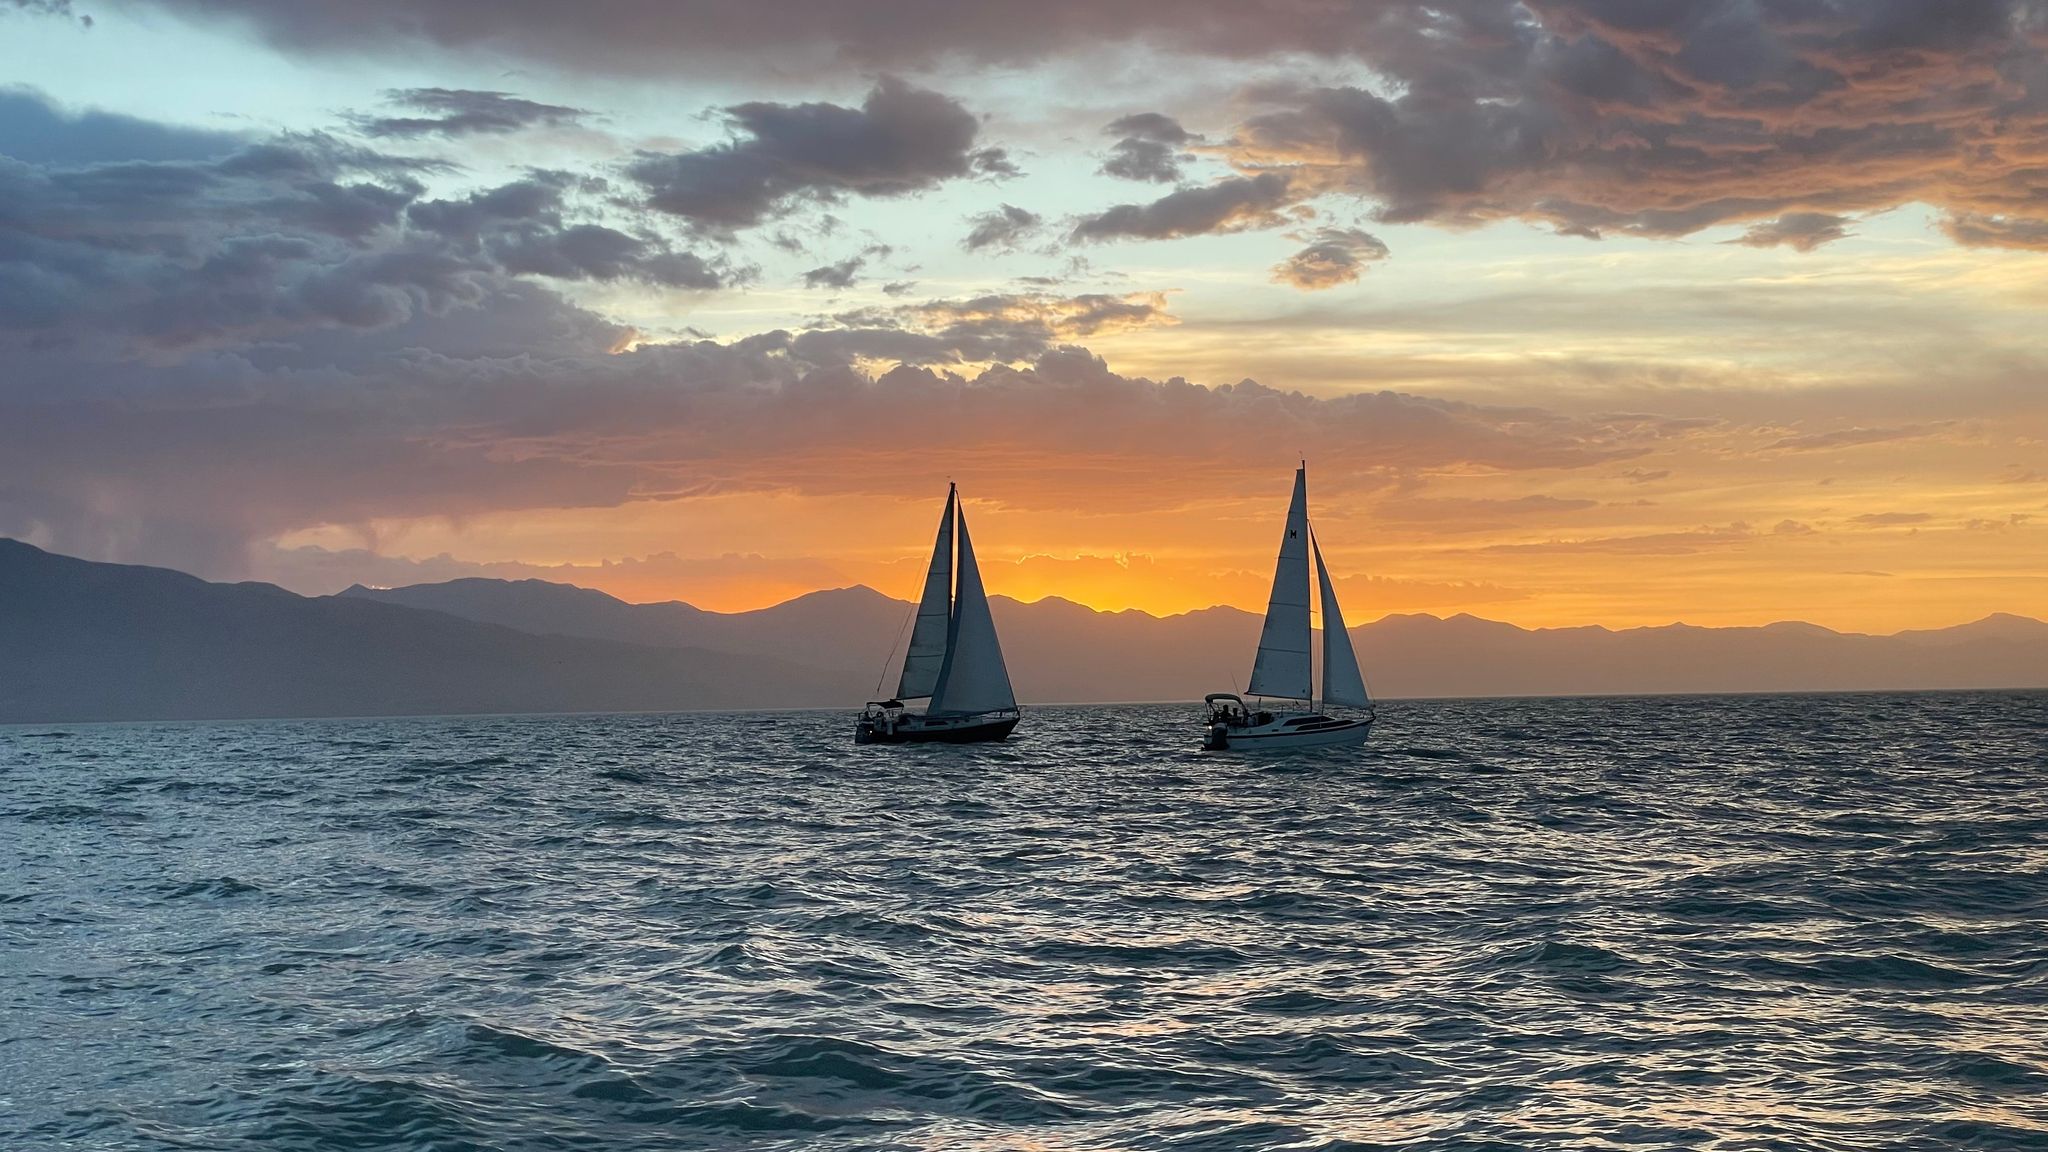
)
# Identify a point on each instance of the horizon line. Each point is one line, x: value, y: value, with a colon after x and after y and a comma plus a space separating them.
x: 1051, y: 598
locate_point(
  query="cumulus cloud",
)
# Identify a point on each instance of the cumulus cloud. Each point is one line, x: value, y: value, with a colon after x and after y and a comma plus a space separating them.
x: 1988, y: 230
x: 1802, y: 231
x: 655, y: 35
x: 995, y: 328
x: 465, y: 112
x: 1589, y: 116
x: 1003, y: 227
x: 1333, y: 257
x: 902, y: 139
x: 281, y: 236
x: 1663, y: 119
x: 1150, y: 148
x: 36, y: 131
x: 1235, y: 204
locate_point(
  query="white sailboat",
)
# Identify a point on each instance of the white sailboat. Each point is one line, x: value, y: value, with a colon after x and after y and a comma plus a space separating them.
x: 1284, y: 670
x: 954, y: 662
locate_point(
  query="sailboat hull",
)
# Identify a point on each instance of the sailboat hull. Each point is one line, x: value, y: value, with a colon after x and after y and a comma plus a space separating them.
x: 1287, y: 733
x: 940, y: 730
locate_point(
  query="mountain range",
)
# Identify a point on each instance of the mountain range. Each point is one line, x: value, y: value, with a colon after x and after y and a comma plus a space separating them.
x: 81, y: 640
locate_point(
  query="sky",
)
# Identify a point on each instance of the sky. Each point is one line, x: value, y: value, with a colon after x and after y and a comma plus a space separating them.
x: 1616, y: 312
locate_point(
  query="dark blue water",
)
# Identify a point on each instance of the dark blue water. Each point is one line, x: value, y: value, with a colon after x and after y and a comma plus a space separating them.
x: 1731, y: 923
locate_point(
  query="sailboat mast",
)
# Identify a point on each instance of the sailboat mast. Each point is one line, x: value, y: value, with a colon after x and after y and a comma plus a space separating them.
x: 1309, y: 586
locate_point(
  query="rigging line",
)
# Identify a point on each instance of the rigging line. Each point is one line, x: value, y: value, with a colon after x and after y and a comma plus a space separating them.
x: 882, y: 676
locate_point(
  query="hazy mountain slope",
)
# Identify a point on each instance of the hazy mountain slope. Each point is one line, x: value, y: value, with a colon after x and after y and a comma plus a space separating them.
x: 86, y: 641
x: 847, y: 628
x: 1465, y: 656
x: 1061, y: 651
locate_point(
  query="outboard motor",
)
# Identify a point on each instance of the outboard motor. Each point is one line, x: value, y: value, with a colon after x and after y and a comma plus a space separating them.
x: 1218, y: 738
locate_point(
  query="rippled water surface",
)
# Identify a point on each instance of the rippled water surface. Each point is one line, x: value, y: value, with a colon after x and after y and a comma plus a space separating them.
x: 1751, y: 923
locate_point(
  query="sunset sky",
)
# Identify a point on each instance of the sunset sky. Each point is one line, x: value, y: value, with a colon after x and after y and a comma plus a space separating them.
x: 1581, y: 311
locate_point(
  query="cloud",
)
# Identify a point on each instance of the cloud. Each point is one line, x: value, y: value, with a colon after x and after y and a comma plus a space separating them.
x: 1854, y: 437
x: 902, y: 139
x: 1664, y: 119
x: 1234, y: 204
x: 1647, y: 544
x: 1334, y: 256
x: 1802, y: 231
x: 999, y: 327
x: 1471, y: 514
x: 1989, y: 230
x: 1890, y: 519
x: 521, y: 400
x: 1587, y: 116
x: 1150, y: 148
x: 274, y: 238
x: 36, y: 131
x: 465, y: 112
x: 1003, y: 227
x: 840, y: 275
x: 1792, y: 528
x: 656, y: 36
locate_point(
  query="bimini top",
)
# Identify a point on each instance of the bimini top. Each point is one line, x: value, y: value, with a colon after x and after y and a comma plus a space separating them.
x: 1213, y: 697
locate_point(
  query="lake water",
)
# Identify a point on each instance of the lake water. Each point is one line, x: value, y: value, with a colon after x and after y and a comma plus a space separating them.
x: 1733, y: 923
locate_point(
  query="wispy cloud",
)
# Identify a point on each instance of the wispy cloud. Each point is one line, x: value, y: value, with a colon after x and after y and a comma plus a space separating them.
x: 1854, y: 437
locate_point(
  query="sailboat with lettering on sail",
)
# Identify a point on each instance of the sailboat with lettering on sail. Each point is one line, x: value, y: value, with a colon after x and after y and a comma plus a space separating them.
x: 954, y: 661
x: 1284, y: 670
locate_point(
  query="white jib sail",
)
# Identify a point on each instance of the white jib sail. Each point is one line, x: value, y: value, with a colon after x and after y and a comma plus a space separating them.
x: 974, y: 678
x: 1283, y: 667
x: 927, y: 651
x: 1343, y: 683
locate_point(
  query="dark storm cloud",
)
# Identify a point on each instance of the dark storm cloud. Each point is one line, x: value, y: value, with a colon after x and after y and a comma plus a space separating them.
x: 1150, y: 148
x: 901, y: 139
x: 1334, y: 256
x: 1230, y: 205
x: 465, y: 112
x: 1005, y: 226
x: 1803, y: 231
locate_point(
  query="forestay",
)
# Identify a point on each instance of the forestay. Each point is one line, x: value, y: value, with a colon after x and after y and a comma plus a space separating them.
x: 1283, y: 668
x: 974, y: 678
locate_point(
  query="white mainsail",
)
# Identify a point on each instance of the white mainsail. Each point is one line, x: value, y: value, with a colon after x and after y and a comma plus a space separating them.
x: 927, y: 652
x: 1283, y: 666
x: 974, y: 678
x: 1343, y: 683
